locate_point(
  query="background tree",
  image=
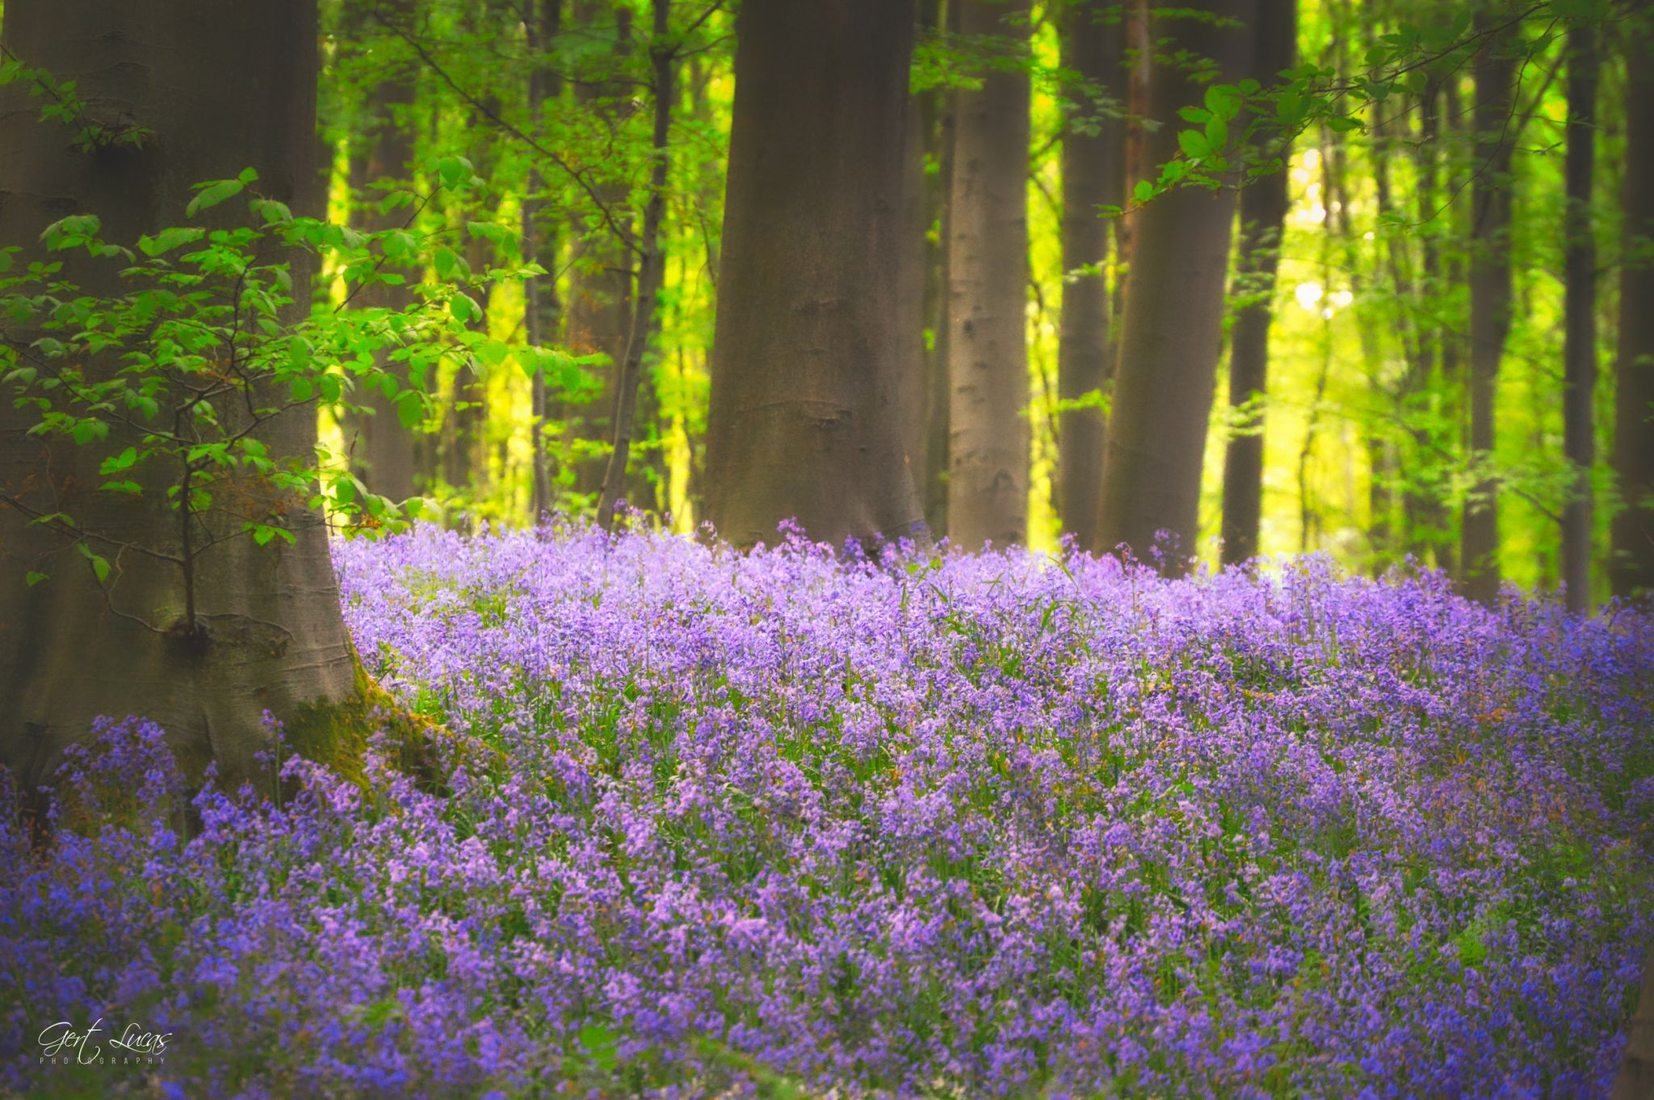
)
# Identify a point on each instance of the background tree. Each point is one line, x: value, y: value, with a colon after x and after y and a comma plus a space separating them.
x: 1264, y: 202
x: 1490, y: 294
x: 988, y: 290
x: 1631, y: 568
x: 1170, y: 335
x: 1093, y: 177
x: 1579, y: 353
x: 804, y: 420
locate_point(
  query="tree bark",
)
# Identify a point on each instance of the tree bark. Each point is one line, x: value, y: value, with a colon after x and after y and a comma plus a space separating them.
x: 1631, y: 569
x: 1263, y: 208
x: 544, y: 309
x: 1093, y: 175
x: 1171, y: 330
x: 1490, y: 302
x: 651, y: 267
x: 222, y: 87
x: 803, y: 421
x: 988, y: 436
x: 1580, y: 323
x: 599, y: 307
x: 1635, y: 1080
x: 932, y: 481
x: 381, y: 449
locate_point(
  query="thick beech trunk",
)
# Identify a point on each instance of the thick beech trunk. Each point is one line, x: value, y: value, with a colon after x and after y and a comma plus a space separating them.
x: 381, y: 448
x: 1171, y: 331
x: 1263, y: 207
x: 988, y: 431
x: 1632, y: 567
x: 1490, y: 303
x: 1580, y: 322
x: 804, y: 419
x: 222, y: 87
x: 1093, y: 175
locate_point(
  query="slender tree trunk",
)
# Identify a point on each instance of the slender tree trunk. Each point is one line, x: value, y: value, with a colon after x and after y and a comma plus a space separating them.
x: 1580, y: 322
x: 803, y: 421
x: 1263, y: 207
x: 1490, y: 302
x: 1631, y: 569
x: 222, y: 87
x: 912, y: 292
x: 1093, y: 175
x: 381, y: 448
x: 988, y: 438
x: 543, y: 18
x: 651, y: 265
x: 933, y: 489
x: 1171, y: 333
x: 599, y: 305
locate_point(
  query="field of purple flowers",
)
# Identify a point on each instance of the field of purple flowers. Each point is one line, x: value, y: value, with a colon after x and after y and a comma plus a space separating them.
x: 781, y: 824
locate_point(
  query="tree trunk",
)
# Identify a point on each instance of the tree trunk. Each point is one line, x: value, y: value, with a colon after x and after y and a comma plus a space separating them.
x: 543, y: 309
x: 1093, y: 175
x: 803, y: 421
x: 1263, y: 208
x: 600, y: 279
x: 1490, y: 302
x: 932, y: 482
x: 1635, y: 1080
x: 912, y: 293
x: 1171, y: 332
x: 381, y: 448
x: 651, y: 267
x: 988, y: 437
x: 1631, y: 569
x: 1580, y: 323
x: 268, y: 632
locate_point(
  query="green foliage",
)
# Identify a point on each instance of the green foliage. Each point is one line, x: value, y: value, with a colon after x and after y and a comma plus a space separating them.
x: 197, y: 340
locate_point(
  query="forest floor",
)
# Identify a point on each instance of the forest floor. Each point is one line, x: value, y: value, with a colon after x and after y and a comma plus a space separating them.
x: 787, y: 824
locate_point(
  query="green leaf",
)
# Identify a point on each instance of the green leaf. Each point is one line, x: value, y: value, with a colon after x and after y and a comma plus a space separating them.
x: 168, y: 239
x: 410, y: 408
x: 1223, y: 100
x: 100, y: 565
x: 1193, y: 144
x: 85, y: 431
x: 208, y: 195
x: 123, y: 461
x: 32, y: 578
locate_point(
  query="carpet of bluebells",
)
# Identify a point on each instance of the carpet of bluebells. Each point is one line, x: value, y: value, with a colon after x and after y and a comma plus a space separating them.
x: 795, y: 823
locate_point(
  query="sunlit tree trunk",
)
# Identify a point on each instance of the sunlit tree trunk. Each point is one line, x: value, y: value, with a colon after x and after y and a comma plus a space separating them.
x: 804, y: 420
x: 1632, y: 567
x: 222, y: 87
x: 1093, y: 175
x: 1171, y: 331
x: 988, y: 431
x: 1263, y: 207
x: 1490, y: 301
x: 1580, y: 323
